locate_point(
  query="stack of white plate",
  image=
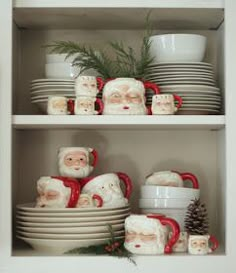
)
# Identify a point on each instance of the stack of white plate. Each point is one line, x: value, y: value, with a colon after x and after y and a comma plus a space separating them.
x: 193, y: 81
x: 56, y: 231
x: 41, y: 89
x: 170, y: 201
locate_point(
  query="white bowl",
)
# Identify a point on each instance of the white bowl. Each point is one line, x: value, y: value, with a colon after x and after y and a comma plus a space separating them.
x: 59, y: 58
x: 177, y: 214
x: 61, y: 70
x: 163, y: 203
x: 58, y: 247
x: 178, y: 48
x: 148, y: 191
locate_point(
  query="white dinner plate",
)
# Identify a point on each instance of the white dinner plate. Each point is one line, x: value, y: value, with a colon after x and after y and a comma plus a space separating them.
x: 36, y: 98
x: 182, y: 63
x: 30, y: 207
x: 52, y: 80
x: 198, y: 109
x: 74, y: 214
x: 180, y: 77
x: 208, y: 106
x: 190, y: 87
x: 185, y: 82
x: 58, y: 247
x: 66, y: 225
x: 52, y: 90
x: 87, y: 236
x: 183, y: 79
x: 182, y: 69
x: 70, y: 230
x: 71, y: 219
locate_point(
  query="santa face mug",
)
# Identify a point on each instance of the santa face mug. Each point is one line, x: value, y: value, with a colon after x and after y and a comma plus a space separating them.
x: 164, y: 104
x: 86, y: 106
x: 199, y: 244
x: 58, y: 105
x: 57, y: 192
x: 77, y: 162
x: 88, y: 201
x: 172, y: 179
x: 182, y: 243
x: 126, y: 96
x: 146, y: 234
x: 108, y: 187
x: 88, y: 86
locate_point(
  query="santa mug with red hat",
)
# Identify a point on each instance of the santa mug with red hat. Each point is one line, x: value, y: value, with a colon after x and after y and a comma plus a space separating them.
x: 62, y: 192
x: 77, y: 162
x: 147, y: 234
x: 108, y: 187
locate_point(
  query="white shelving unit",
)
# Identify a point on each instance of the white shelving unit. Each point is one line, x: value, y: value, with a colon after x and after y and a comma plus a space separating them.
x: 137, y: 145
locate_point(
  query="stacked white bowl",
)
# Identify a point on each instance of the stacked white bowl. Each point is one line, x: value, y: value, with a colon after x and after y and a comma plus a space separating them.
x: 171, y: 201
x: 56, y: 231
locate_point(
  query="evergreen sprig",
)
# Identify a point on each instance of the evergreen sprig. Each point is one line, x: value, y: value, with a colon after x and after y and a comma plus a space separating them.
x: 125, y: 62
x: 113, y: 247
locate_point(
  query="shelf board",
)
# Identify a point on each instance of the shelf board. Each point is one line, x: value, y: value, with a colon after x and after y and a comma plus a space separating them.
x: 118, y: 14
x: 118, y: 122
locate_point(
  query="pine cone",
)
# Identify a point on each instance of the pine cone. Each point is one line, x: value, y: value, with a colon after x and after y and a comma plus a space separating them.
x: 196, y: 219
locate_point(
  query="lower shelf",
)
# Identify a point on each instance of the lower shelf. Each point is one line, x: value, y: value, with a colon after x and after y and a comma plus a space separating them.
x: 211, y: 122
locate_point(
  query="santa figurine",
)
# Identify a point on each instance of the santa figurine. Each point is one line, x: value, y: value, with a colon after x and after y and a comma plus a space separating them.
x: 76, y: 162
x: 57, y: 192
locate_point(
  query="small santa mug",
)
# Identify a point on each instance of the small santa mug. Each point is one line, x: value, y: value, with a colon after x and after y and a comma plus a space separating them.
x: 199, y: 244
x: 108, y: 187
x: 182, y: 243
x: 171, y: 178
x: 164, y: 104
x: 77, y: 162
x: 58, y: 105
x: 88, y: 86
x: 85, y: 106
x: 63, y: 192
x: 147, y: 234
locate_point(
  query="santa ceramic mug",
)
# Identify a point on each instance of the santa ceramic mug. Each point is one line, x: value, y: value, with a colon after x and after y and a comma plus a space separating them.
x: 58, y: 105
x: 164, y: 104
x: 87, y: 201
x: 146, y: 234
x: 199, y: 244
x: 85, y: 106
x: 88, y: 86
x: 77, y: 162
x: 171, y: 178
x: 126, y: 96
x: 182, y: 243
x: 108, y: 187
x: 62, y: 192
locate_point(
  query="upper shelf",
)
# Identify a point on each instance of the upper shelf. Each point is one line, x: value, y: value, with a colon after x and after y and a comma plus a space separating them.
x: 118, y: 14
x: 118, y: 122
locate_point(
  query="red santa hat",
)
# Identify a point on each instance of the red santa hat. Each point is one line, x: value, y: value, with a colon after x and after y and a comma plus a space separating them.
x: 75, y: 189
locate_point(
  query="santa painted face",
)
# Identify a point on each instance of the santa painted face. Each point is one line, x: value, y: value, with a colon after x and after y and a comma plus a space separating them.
x: 124, y: 97
x: 108, y: 187
x: 75, y: 161
x: 198, y: 245
x: 182, y: 244
x: 57, y: 105
x: 86, y: 86
x: 144, y: 235
x: 52, y: 193
x: 84, y: 106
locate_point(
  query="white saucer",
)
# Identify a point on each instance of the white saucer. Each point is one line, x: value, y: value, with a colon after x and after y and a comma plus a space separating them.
x: 52, y: 80
x: 182, y: 63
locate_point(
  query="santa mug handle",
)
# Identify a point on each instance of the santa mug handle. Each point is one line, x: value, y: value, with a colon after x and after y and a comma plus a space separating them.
x: 99, y: 200
x: 100, y: 84
x: 71, y: 106
x: 153, y: 86
x: 215, y: 243
x: 175, y: 229
x: 75, y: 189
x: 100, y: 105
x: 179, y: 99
x: 191, y: 177
x: 127, y: 182
x: 94, y: 153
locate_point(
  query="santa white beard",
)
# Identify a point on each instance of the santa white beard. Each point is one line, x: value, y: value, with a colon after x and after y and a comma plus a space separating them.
x: 145, y: 248
x: 84, y: 111
x: 71, y: 172
x: 133, y: 109
x: 57, y: 111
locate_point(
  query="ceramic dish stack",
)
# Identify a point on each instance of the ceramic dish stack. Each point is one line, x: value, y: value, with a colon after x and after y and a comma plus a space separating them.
x: 193, y: 81
x: 41, y: 89
x: 56, y: 231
